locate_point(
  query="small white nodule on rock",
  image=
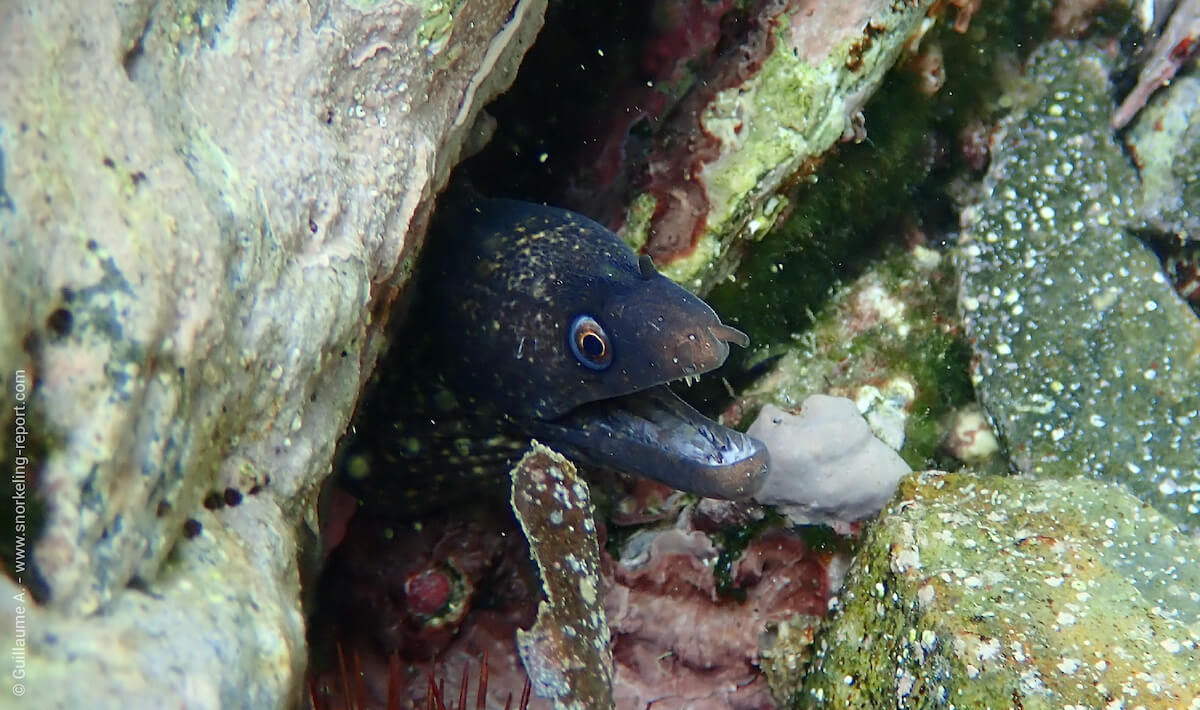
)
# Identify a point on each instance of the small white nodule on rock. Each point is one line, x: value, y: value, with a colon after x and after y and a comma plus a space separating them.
x: 826, y: 465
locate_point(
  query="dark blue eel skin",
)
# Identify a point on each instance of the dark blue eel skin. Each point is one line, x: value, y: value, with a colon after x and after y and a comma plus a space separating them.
x: 537, y: 322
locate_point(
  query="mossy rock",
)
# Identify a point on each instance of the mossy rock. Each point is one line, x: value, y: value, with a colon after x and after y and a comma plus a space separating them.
x: 997, y: 592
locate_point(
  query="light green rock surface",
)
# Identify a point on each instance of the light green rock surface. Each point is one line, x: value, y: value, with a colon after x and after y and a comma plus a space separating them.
x: 828, y: 59
x: 205, y: 209
x: 1001, y: 592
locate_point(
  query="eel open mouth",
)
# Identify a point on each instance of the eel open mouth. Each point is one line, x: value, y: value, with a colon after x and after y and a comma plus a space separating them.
x: 654, y: 433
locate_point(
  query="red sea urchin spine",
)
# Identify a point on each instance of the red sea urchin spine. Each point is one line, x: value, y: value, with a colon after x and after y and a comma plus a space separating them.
x: 437, y: 692
x: 351, y: 693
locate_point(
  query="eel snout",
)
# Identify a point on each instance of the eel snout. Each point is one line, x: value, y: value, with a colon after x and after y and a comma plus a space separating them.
x: 655, y: 434
x: 688, y: 349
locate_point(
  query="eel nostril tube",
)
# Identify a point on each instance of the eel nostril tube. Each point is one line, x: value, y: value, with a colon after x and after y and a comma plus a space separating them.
x: 729, y: 334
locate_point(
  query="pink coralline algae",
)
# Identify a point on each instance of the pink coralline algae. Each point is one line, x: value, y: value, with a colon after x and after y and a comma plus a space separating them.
x: 401, y: 603
x: 695, y: 50
x: 678, y: 643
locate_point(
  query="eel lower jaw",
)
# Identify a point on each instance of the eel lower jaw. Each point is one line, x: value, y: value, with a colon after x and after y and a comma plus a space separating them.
x: 655, y: 434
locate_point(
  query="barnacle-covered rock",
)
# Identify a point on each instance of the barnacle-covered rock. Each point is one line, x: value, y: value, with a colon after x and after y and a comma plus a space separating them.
x: 204, y: 207
x: 992, y: 591
x: 1085, y: 357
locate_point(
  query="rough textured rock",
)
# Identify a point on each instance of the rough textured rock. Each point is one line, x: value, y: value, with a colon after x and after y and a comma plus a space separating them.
x: 1085, y: 357
x: 1165, y: 142
x: 996, y: 591
x: 210, y: 632
x: 755, y: 122
x: 206, y: 208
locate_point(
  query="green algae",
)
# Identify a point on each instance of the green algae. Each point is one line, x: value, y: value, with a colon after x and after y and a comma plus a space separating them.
x: 731, y: 542
x: 437, y: 23
x: 781, y: 116
x: 637, y: 221
x: 893, y: 329
x: 1085, y: 357
x: 1004, y: 592
x: 834, y: 219
x: 939, y: 365
x: 832, y: 227
x: 790, y: 113
x: 784, y: 653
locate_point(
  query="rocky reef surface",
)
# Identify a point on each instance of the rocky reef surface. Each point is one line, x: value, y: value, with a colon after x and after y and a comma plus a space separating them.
x: 1085, y: 356
x: 994, y: 591
x: 1164, y: 144
x: 208, y: 210
x: 1068, y: 585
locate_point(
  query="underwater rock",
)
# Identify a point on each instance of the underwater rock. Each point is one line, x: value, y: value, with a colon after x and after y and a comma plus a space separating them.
x: 826, y: 465
x: 1174, y: 47
x: 212, y: 631
x: 1000, y: 592
x: 753, y: 118
x: 1085, y: 357
x: 1165, y: 143
x: 205, y: 209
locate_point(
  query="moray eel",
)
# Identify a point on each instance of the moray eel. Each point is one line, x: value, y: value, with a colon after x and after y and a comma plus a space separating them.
x: 545, y: 324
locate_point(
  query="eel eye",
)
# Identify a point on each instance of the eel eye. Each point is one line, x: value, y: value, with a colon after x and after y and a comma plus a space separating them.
x: 589, y: 343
